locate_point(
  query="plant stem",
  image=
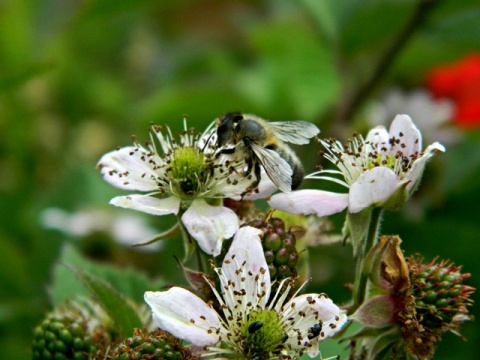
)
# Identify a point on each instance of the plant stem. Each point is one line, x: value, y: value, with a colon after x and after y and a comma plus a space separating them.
x: 200, y: 258
x: 363, y: 268
x: 361, y: 93
x: 372, y: 235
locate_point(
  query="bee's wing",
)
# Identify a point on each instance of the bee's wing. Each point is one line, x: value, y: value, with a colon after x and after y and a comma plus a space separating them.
x: 277, y: 169
x: 295, y: 132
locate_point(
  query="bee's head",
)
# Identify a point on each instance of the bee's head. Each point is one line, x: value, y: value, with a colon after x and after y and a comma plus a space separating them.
x: 250, y: 129
x: 227, y: 127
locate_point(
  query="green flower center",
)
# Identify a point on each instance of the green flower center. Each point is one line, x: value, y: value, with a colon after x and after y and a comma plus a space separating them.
x: 398, y: 164
x: 263, y: 334
x: 188, y: 171
x: 382, y: 160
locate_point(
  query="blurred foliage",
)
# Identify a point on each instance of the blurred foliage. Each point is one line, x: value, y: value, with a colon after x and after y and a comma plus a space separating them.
x: 78, y: 77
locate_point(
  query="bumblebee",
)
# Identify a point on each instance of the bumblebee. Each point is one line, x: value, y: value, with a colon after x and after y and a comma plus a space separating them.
x: 262, y: 143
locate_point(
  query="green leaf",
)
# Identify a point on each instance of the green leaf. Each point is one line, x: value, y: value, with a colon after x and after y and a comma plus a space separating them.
x: 113, y: 302
x: 294, y: 73
x: 322, y: 14
x: 366, y: 25
x: 65, y: 285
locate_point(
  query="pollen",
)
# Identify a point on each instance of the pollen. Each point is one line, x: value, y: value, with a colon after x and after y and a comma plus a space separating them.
x: 262, y: 332
x: 189, y: 171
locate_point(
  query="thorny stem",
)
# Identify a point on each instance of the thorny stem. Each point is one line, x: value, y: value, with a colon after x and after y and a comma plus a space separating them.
x: 363, y: 268
x: 418, y: 18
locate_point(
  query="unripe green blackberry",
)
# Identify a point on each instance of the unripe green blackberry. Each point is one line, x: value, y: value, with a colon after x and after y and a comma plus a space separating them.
x: 278, y: 246
x: 436, y: 303
x: 63, y: 337
x: 152, y: 346
x: 439, y: 293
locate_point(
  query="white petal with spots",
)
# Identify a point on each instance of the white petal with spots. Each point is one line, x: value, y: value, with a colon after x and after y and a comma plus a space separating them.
x: 148, y: 204
x: 318, y: 202
x: 184, y: 315
x: 125, y: 168
x: 373, y: 187
x: 210, y: 225
x: 404, y: 130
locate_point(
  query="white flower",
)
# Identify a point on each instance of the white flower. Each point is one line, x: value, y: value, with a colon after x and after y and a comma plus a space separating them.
x: 180, y: 177
x: 125, y: 229
x: 251, y: 324
x: 432, y: 116
x: 382, y: 170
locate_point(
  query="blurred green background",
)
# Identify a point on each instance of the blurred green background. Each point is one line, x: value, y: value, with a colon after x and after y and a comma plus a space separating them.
x: 77, y: 78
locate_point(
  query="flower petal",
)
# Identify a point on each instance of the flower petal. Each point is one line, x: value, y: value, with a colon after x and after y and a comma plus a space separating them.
x: 330, y: 317
x: 403, y: 129
x: 414, y: 175
x: 246, y: 253
x: 373, y: 187
x: 184, y: 315
x: 244, y: 276
x: 148, y: 204
x: 318, y: 202
x: 265, y: 188
x: 210, y: 225
x: 377, y: 135
x: 128, y: 168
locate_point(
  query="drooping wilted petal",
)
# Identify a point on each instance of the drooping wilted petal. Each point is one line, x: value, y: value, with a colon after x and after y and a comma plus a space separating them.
x: 373, y: 187
x: 127, y: 168
x: 210, y: 225
x: 318, y: 202
x: 184, y: 315
x: 148, y: 204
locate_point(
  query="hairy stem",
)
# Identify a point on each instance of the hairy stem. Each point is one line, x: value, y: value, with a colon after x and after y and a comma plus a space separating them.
x: 362, y: 271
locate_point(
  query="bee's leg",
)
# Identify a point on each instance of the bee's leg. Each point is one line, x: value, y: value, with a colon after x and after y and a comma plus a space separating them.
x: 257, y: 171
x: 249, y: 167
x: 225, y: 151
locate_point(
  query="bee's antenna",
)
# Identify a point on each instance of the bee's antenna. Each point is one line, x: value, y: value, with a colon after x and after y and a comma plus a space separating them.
x: 207, y: 130
x: 208, y: 141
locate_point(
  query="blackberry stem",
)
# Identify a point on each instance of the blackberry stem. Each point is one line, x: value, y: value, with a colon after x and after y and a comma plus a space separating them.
x: 363, y: 267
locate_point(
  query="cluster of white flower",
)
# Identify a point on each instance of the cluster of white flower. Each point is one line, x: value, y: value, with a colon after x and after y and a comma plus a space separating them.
x: 382, y: 170
x: 246, y: 319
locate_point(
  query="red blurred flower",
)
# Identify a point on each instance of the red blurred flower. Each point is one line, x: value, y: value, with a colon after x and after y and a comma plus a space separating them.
x: 459, y: 81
